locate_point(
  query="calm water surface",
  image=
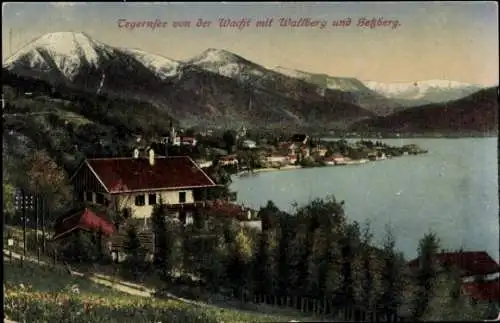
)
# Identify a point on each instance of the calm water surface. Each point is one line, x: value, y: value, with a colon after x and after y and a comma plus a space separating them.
x: 452, y: 190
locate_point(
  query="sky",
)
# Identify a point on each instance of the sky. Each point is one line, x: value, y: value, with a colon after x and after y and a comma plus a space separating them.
x: 455, y: 41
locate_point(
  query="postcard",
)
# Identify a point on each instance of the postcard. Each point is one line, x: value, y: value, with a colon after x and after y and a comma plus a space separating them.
x: 250, y: 162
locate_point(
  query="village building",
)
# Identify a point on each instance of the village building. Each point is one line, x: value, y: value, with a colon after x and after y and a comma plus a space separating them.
x: 305, y: 151
x: 335, y: 159
x: 277, y: 159
x: 229, y: 160
x: 287, y: 148
x: 134, y: 185
x: 139, y: 183
x: 82, y: 219
x: 292, y: 159
x: 249, y: 144
x: 480, y: 274
x: 188, y: 141
x: 320, y: 152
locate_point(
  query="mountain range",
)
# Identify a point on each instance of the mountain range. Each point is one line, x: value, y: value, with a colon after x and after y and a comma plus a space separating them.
x: 218, y: 87
x: 476, y: 114
x: 423, y: 92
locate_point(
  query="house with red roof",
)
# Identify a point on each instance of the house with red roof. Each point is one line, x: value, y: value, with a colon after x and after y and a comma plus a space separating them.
x: 139, y: 183
x: 478, y: 271
x: 83, y: 219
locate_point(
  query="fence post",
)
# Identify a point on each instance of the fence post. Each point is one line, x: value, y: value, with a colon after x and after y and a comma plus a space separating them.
x: 302, y: 304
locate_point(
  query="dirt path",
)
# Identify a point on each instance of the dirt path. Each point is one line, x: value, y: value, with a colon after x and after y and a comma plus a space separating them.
x: 139, y: 290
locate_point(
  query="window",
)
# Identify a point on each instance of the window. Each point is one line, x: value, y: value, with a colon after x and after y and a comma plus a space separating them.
x: 182, y: 197
x: 140, y: 200
x: 152, y: 199
x: 89, y: 196
x: 99, y: 198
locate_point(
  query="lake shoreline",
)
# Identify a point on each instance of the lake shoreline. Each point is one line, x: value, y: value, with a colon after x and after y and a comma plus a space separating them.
x: 294, y: 167
x: 438, y: 191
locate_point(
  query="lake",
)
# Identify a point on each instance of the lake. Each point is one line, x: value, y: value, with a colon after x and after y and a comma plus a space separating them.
x: 452, y: 190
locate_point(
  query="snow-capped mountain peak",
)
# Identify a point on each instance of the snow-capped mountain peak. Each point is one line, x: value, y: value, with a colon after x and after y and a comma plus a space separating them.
x: 215, y: 56
x: 349, y: 84
x: 163, y: 67
x: 225, y: 63
x: 68, y: 51
x: 429, y: 90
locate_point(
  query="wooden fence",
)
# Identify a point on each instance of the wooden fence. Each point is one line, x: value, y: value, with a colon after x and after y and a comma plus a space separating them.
x: 324, y: 308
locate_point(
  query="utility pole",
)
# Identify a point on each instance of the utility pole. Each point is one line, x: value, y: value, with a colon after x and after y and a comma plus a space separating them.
x: 42, y: 208
x: 24, y: 201
x: 25, y: 220
x: 37, y: 211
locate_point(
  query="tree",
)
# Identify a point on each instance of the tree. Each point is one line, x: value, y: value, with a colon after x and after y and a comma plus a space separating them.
x: 173, y: 252
x: 79, y: 248
x: 266, y: 264
x: 368, y: 279
x: 445, y: 305
x: 426, y: 274
x: 45, y: 177
x: 240, y: 256
x: 101, y: 253
x: 270, y: 216
x: 135, y: 253
x: 160, y: 235
x: 392, y: 279
x: 216, y: 264
x: 8, y: 199
x: 229, y: 139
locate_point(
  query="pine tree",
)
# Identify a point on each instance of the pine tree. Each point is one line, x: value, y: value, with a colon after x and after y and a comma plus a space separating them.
x: 134, y: 251
x: 368, y: 278
x: 241, y: 254
x: 100, y: 248
x: 392, y: 279
x: 80, y: 248
x: 266, y: 272
x: 160, y: 235
x: 217, y: 264
x: 426, y: 275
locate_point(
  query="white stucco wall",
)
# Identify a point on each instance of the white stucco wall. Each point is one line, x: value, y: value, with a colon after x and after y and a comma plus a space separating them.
x: 167, y: 197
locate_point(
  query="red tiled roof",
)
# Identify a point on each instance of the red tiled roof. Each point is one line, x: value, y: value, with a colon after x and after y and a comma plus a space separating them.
x: 84, y: 219
x: 229, y: 158
x: 470, y: 262
x: 221, y: 208
x: 484, y: 291
x: 131, y: 174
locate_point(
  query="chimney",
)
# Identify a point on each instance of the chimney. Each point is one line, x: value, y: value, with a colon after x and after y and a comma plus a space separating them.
x: 151, y: 156
x: 136, y: 153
